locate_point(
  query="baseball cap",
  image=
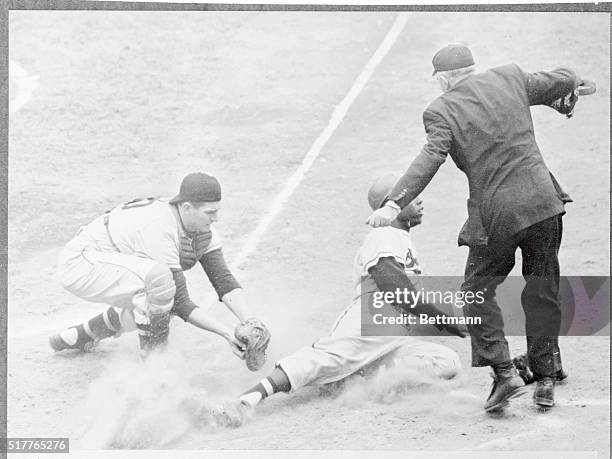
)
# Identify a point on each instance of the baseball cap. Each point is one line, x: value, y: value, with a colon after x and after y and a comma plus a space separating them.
x: 198, y: 187
x: 452, y: 57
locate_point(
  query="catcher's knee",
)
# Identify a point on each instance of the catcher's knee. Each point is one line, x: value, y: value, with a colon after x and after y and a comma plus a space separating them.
x: 126, y: 318
x: 159, y: 289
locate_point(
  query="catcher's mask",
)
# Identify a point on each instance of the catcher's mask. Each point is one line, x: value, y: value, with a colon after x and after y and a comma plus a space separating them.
x: 380, y: 189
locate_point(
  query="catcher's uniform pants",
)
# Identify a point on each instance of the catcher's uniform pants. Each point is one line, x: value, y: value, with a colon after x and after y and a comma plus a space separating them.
x: 487, y: 267
x: 94, y: 271
x: 344, y: 351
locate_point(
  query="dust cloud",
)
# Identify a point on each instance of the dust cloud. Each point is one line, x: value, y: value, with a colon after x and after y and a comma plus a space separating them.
x: 149, y: 404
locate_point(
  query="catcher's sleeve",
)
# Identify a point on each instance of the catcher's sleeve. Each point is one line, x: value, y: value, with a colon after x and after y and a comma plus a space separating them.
x: 389, y: 276
x: 218, y: 272
x: 183, y: 306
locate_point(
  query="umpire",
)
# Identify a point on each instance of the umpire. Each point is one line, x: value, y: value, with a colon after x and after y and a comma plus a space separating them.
x: 483, y: 121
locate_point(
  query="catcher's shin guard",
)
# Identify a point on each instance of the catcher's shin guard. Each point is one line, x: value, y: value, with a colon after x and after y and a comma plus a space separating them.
x: 154, y: 333
x: 85, y: 336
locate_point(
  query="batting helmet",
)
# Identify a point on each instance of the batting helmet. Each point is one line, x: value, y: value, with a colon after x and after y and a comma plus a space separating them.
x: 380, y: 189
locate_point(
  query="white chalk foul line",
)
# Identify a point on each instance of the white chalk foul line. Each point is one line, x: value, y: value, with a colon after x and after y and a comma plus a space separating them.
x: 338, y: 115
x: 25, y: 83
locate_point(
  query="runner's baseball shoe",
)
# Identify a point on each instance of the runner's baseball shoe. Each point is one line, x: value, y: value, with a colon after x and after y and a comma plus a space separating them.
x: 507, y: 384
x: 72, y: 338
x: 250, y: 400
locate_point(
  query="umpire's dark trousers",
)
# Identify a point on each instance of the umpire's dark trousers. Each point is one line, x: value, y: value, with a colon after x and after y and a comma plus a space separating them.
x: 488, y: 266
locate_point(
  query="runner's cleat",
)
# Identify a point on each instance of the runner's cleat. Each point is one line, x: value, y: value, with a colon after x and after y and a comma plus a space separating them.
x: 250, y: 400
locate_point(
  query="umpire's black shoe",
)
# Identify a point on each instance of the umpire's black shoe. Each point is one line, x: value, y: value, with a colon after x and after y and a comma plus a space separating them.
x: 560, y: 375
x: 507, y: 384
x: 544, y: 394
x: 522, y: 366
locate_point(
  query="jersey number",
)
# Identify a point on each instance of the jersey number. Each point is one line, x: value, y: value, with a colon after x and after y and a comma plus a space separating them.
x: 139, y: 202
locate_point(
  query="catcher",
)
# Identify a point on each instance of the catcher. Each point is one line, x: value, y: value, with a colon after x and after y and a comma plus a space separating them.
x: 133, y: 257
x: 385, y: 262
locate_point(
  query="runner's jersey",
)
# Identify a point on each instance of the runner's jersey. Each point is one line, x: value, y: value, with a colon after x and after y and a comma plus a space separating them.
x: 380, y: 243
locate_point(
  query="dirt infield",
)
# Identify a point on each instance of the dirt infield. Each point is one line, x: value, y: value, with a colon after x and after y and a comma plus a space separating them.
x: 124, y: 104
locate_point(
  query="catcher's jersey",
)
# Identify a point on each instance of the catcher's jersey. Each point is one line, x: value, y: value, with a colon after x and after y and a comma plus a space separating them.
x: 150, y: 228
x: 380, y: 243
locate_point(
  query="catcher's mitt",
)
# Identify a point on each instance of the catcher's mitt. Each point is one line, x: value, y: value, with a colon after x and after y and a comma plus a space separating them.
x: 255, y: 336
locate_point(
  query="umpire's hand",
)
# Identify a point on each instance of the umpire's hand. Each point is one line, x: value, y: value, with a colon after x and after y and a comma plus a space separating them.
x: 382, y: 217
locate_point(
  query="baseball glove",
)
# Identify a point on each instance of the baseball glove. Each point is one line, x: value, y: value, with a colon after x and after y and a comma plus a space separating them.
x: 255, y: 336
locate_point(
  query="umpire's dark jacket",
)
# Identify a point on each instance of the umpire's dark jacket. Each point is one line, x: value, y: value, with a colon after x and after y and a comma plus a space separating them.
x: 484, y: 123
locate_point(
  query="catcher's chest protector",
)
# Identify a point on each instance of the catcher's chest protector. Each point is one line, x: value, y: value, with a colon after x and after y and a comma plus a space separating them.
x: 192, y: 249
